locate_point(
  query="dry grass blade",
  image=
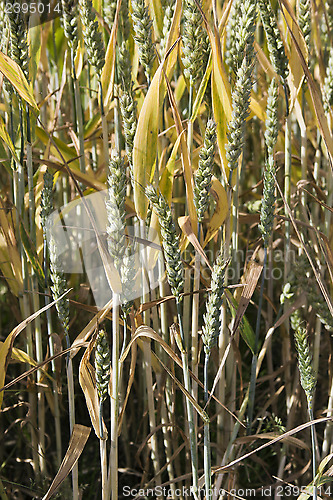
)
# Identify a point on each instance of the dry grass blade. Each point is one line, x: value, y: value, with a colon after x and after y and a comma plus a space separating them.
x: 186, y: 226
x: 251, y: 280
x: 7, y: 346
x: 76, y: 446
x: 270, y: 443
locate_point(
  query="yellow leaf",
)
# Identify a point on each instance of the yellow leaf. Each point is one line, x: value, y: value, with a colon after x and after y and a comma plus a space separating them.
x: 10, y: 262
x: 221, y: 209
x: 296, y: 75
x: 166, y: 182
x: 7, y: 140
x: 76, y: 445
x: 157, y: 13
x: 145, y: 140
x: 107, y: 77
x: 145, y: 144
x: 79, y: 60
x: 11, y: 70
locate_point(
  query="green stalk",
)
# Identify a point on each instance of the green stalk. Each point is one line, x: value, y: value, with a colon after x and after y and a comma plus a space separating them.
x: 113, y: 462
x: 148, y: 367
x: 287, y: 193
x: 78, y: 113
x: 189, y: 406
x: 313, y: 450
x: 255, y: 353
x: 104, y: 126
x: 207, y: 452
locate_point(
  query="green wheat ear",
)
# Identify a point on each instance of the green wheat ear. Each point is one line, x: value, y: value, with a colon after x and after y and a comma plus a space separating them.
x: 19, y: 51
x: 115, y: 208
x: 307, y: 375
x: 69, y: 20
x: 102, y: 365
x: 92, y: 37
x: 142, y: 25
x: 203, y: 176
x: 274, y: 42
x: 194, y: 41
x: 46, y: 200
x: 268, y: 199
x: 211, y: 327
x: 170, y: 241
x: 127, y: 102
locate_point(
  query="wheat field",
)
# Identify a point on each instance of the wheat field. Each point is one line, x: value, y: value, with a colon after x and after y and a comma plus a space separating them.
x: 166, y: 256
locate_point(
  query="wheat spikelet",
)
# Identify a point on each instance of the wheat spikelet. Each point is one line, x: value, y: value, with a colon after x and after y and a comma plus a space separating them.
x: 328, y: 83
x: 102, y: 365
x: 127, y: 102
x: 307, y: 375
x: 58, y: 287
x: 69, y: 21
x: 115, y: 207
x: 274, y: 42
x: 304, y: 19
x: 240, y: 111
x: 128, y: 274
x: 211, y: 327
x: 243, y: 85
x: 231, y: 36
x: 194, y: 41
x: 167, y: 21
x: 245, y: 32
x: 268, y: 199
x: 170, y: 241
x: 46, y: 200
x: 109, y: 11
x: 19, y: 51
x: 4, y: 31
x: 92, y: 37
x: 204, y: 172
x: 124, y: 26
x: 142, y: 26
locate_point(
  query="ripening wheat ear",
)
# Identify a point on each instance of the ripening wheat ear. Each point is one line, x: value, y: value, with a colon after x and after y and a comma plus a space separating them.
x: 304, y: 19
x: 308, y: 378
x: 231, y: 35
x: 115, y: 208
x: 268, y: 199
x: 127, y: 101
x: 328, y: 84
x: 19, y: 51
x: 69, y: 20
x: 167, y: 21
x: 102, y: 365
x: 170, y: 241
x: 194, y: 41
x: 203, y: 175
x: 243, y: 85
x: 142, y: 25
x: 274, y: 42
x: 92, y: 37
x: 211, y: 327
